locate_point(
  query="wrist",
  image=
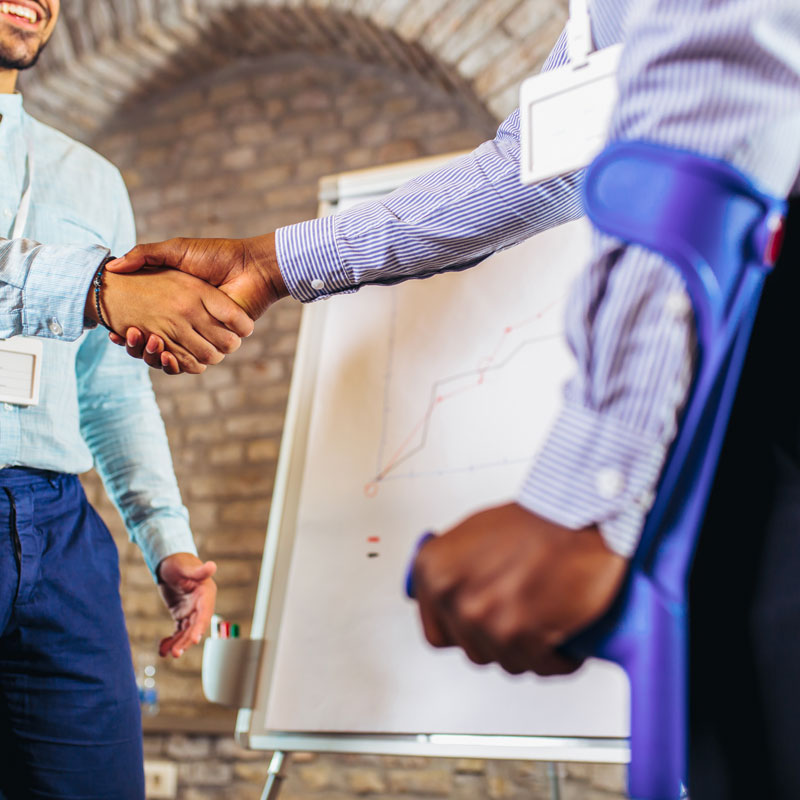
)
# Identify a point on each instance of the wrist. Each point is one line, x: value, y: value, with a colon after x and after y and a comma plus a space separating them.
x: 262, y: 259
x: 91, y: 311
x: 97, y: 285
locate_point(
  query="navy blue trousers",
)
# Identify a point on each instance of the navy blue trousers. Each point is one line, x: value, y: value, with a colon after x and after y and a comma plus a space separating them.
x: 70, y: 724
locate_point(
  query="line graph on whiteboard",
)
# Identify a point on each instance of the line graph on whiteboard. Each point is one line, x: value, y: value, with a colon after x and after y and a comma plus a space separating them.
x: 486, y: 382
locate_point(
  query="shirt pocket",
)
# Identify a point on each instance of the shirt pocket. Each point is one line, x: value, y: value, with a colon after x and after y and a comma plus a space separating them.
x: 53, y: 223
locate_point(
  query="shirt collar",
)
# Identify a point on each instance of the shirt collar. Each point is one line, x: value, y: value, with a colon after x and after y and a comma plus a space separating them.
x: 11, y: 107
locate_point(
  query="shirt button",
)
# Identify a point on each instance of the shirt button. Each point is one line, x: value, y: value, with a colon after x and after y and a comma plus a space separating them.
x: 317, y: 284
x: 7, y: 213
x: 645, y: 500
x: 55, y: 326
x: 8, y: 406
x: 609, y: 483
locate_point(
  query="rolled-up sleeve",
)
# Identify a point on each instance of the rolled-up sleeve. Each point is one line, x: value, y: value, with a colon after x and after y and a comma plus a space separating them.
x: 44, y: 288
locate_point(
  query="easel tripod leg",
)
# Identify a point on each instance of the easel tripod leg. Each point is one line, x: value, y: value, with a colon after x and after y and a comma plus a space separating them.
x: 555, y: 781
x: 275, y: 777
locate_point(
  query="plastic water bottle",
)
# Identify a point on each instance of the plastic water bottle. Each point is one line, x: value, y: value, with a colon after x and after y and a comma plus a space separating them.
x: 148, y: 689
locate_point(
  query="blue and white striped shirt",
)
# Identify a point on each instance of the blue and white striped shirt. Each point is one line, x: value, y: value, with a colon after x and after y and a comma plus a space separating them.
x: 694, y: 74
x: 96, y: 403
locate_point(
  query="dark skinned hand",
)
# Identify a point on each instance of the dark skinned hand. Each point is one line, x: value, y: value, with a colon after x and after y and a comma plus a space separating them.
x: 510, y: 587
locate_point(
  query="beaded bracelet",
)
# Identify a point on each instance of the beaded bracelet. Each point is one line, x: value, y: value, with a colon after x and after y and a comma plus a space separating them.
x: 97, y: 282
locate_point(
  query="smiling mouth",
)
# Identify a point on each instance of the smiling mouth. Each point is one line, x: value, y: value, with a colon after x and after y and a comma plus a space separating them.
x: 21, y: 12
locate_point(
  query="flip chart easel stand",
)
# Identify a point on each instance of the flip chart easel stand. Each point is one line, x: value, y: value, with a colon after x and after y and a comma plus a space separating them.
x: 240, y: 672
x: 275, y: 776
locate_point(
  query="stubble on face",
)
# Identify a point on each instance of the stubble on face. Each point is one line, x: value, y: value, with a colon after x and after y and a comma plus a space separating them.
x: 20, y: 47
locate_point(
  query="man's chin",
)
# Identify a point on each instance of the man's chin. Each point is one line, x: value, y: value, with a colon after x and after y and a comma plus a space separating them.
x: 26, y: 61
x: 20, y: 54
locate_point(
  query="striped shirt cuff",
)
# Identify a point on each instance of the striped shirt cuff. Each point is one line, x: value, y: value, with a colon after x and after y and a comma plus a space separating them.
x: 164, y: 537
x: 309, y: 261
x: 593, y: 470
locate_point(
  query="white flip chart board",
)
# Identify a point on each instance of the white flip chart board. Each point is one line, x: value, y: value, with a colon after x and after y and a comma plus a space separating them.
x: 411, y: 407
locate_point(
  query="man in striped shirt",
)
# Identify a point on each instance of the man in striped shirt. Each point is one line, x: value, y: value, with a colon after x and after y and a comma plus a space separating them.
x: 719, y: 77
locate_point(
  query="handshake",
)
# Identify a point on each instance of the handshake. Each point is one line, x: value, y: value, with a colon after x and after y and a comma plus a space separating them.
x: 186, y: 303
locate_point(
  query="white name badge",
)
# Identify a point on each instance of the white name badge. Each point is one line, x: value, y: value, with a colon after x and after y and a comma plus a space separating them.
x: 20, y: 370
x: 565, y: 115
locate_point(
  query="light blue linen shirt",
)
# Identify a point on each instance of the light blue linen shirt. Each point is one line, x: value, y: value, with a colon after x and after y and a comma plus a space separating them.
x: 97, y: 406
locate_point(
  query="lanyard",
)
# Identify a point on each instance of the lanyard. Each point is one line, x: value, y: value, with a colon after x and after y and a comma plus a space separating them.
x: 579, y: 33
x: 23, y: 211
x: 565, y: 112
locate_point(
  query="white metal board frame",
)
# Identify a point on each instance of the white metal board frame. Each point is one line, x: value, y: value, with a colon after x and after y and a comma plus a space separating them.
x: 279, y: 545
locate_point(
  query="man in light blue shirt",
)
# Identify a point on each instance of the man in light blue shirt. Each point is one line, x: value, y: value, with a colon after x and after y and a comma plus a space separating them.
x: 717, y: 77
x: 69, y: 713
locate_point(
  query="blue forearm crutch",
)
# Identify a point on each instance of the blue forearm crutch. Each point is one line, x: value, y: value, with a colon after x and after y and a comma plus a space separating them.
x: 723, y: 234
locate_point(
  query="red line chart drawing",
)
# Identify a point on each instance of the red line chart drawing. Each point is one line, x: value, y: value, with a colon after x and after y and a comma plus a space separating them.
x: 417, y: 438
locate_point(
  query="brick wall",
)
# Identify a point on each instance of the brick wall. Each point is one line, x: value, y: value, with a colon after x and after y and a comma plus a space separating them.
x: 107, y: 54
x: 236, y: 152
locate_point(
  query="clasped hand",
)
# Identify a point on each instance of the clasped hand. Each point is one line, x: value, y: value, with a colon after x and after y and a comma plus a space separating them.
x: 510, y: 587
x: 198, y: 322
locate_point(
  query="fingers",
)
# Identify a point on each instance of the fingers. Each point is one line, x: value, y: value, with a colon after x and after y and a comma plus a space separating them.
x: 205, y: 606
x: 176, y: 644
x: 163, y: 311
x: 190, y: 628
x: 229, y: 313
x: 189, y: 350
x: 205, y: 344
x: 149, y: 350
x: 431, y: 626
x: 152, y: 351
x: 170, y: 364
x: 203, y: 339
x: 222, y: 340
x: 155, y: 344
x: 160, y: 254
x: 134, y: 342
x: 202, y: 572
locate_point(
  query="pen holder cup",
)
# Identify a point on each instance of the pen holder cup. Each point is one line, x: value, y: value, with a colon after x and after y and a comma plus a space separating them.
x: 230, y: 670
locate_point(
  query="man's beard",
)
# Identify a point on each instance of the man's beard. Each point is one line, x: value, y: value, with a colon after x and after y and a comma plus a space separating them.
x: 8, y: 59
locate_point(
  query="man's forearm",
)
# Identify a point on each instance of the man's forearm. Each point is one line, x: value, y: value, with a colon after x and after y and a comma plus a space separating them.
x: 122, y: 426
x: 630, y: 324
x: 448, y: 219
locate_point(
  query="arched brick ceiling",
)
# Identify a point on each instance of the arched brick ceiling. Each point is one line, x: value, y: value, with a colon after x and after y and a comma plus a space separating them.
x: 109, y: 54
